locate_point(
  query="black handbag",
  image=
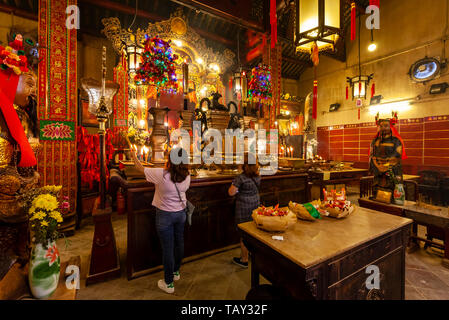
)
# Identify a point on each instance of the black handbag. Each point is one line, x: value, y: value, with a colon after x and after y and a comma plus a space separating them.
x: 189, y: 207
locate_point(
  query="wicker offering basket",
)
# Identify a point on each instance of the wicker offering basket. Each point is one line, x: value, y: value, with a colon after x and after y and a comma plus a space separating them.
x: 336, y: 213
x: 274, y: 223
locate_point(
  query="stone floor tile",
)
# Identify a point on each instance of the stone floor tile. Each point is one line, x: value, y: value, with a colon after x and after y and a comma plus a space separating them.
x: 424, y: 279
x: 411, y: 293
x: 433, y: 294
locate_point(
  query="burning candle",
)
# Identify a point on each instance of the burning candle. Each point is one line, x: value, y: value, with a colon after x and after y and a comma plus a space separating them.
x: 145, y: 153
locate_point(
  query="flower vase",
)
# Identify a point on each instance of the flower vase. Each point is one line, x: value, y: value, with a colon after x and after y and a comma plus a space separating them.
x: 43, y: 273
x: 399, y: 194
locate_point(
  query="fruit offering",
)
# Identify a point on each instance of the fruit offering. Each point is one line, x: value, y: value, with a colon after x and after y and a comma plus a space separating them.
x: 270, y: 211
x: 336, y: 204
x: 307, y: 211
x: 273, y: 219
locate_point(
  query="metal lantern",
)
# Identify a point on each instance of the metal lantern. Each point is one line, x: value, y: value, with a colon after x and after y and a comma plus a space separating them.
x: 359, y: 86
x: 237, y: 83
x: 133, y: 52
x: 317, y: 21
x: 100, y: 100
x: 240, y: 84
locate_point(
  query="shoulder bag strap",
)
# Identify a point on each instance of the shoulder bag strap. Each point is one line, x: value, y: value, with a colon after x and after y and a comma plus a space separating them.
x: 179, y: 194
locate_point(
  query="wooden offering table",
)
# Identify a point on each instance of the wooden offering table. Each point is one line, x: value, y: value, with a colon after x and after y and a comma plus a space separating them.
x: 328, y: 259
x: 335, y: 177
x: 213, y: 228
x: 426, y: 215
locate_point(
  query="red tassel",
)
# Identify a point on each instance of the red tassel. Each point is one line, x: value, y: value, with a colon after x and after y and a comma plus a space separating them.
x: 360, y: 89
x: 230, y: 83
x: 374, y: 3
x: 273, y: 22
x: 315, y: 56
x: 353, y: 21
x: 358, y: 113
x: 373, y: 90
x: 347, y: 93
x: 315, y: 96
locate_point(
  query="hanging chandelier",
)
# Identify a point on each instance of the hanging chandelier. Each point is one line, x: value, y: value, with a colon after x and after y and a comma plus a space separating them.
x: 317, y: 21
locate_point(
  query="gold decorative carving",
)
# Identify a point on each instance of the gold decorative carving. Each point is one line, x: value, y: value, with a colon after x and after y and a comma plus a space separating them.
x: 178, y: 26
x: 175, y: 28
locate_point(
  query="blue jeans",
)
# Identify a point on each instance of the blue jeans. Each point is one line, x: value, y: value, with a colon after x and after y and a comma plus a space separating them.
x: 170, y: 228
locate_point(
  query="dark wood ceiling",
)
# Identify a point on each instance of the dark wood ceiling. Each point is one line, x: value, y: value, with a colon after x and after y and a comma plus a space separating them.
x: 218, y: 32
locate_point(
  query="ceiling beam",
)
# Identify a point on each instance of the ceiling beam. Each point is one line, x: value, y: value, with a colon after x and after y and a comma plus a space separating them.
x: 18, y: 12
x: 296, y: 61
x: 197, y: 5
x: 114, y: 6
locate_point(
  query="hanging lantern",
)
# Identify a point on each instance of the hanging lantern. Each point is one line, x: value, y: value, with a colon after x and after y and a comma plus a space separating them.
x: 133, y: 52
x: 359, y: 85
x: 317, y: 21
x: 240, y: 86
x: 237, y: 79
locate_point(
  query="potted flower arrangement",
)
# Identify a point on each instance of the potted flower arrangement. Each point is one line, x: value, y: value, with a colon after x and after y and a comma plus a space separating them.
x: 45, y: 215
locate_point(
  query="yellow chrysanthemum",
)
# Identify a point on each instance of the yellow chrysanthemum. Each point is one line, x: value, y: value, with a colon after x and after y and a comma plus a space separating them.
x: 44, y: 223
x: 40, y: 215
x: 56, y: 215
x: 46, y: 202
x: 52, y: 188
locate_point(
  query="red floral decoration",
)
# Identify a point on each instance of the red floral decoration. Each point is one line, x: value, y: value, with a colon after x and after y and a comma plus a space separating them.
x: 158, y: 67
x: 89, y: 151
x: 259, y: 86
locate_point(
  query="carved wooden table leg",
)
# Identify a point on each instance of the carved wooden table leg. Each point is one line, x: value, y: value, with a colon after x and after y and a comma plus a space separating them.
x: 104, y: 261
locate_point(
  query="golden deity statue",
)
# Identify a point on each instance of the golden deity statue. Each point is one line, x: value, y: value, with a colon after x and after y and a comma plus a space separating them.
x: 19, y: 133
x: 15, y: 180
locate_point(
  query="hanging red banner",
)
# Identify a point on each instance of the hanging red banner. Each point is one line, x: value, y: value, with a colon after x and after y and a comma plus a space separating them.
x: 273, y: 22
x: 353, y: 21
x: 373, y: 90
x: 315, y: 96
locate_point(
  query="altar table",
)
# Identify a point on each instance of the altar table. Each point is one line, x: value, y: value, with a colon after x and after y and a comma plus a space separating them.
x: 329, y: 258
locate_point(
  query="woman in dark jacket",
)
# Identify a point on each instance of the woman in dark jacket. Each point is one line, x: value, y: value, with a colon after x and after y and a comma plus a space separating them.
x: 245, y: 188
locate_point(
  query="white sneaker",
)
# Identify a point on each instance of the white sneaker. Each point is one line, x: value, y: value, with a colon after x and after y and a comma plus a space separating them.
x: 176, y: 276
x: 168, y: 288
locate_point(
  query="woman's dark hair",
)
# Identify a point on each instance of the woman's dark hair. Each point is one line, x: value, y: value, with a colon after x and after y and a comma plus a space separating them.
x: 250, y: 170
x: 178, y: 172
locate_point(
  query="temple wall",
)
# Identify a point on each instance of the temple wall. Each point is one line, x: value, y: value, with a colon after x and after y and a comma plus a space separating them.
x: 401, y: 22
